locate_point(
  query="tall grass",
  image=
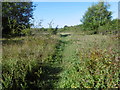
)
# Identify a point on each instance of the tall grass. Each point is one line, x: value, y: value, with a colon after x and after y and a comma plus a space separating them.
x: 48, y: 61
x: 95, y: 65
x: 23, y: 59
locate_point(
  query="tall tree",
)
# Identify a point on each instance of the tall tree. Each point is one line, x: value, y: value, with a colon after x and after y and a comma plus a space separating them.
x: 97, y: 15
x: 16, y: 16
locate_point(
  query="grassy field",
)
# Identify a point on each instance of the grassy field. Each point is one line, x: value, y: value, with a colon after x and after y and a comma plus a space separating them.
x: 61, y: 61
x: 90, y: 61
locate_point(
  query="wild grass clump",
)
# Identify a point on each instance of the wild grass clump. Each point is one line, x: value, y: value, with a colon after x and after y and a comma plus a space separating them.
x: 22, y: 63
x: 98, y: 65
x: 99, y: 69
x: 91, y: 61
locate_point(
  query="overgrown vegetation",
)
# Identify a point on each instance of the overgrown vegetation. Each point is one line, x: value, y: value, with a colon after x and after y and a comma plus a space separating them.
x: 25, y: 61
x: 90, y: 62
x: 81, y: 56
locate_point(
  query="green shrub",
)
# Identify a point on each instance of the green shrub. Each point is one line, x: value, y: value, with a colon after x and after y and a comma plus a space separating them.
x: 26, y: 32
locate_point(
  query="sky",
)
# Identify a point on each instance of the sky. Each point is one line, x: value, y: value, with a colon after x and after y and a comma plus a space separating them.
x: 64, y: 13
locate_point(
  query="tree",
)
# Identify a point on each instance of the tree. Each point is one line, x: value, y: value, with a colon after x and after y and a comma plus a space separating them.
x: 97, y: 15
x: 16, y: 16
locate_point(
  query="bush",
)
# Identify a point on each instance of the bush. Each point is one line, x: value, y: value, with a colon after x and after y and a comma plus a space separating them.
x: 26, y: 32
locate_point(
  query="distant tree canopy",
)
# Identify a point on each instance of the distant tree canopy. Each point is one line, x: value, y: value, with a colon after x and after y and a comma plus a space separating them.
x: 15, y: 17
x: 97, y: 15
x: 112, y: 27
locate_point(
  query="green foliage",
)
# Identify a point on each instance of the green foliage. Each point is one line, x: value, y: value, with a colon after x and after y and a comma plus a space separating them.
x: 76, y: 61
x: 110, y: 28
x: 97, y: 15
x: 35, y: 62
x: 24, y: 63
x: 100, y: 68
x: 55, y: 30
x: 26, y: 32
x: 90, y: 61
x: 15, y: 15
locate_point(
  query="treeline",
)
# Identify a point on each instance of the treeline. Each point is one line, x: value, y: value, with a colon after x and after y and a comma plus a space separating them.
x: 97, y: 20
x: 16, y: 18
